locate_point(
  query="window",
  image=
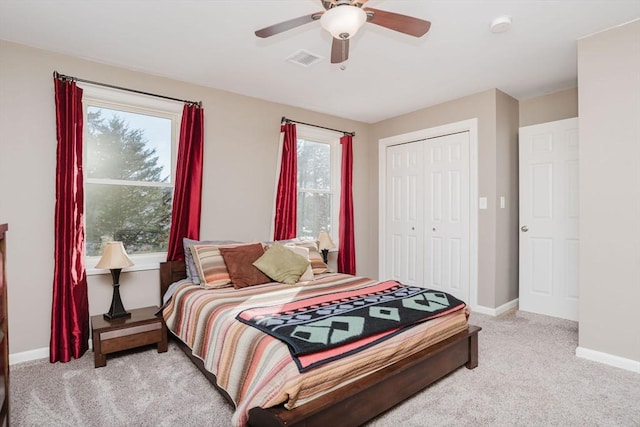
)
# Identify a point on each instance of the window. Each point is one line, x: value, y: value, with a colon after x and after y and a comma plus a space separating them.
x: 318, y: 182
x: 129, y: 148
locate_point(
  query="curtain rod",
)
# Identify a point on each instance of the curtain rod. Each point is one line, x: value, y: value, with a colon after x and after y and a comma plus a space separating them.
x: 76, y: 79
x: 286, y: 120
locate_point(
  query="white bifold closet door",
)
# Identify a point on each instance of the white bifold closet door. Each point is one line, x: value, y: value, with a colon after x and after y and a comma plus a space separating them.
x: 427, y: 210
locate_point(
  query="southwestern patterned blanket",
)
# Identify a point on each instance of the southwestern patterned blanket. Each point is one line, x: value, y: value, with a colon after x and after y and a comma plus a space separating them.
x: 327, y: 327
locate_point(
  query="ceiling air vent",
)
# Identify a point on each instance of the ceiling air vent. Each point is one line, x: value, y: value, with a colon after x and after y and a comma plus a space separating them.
x: 304, y: 58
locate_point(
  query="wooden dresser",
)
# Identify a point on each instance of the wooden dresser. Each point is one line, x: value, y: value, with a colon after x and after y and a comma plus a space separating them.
x: 4, y: 331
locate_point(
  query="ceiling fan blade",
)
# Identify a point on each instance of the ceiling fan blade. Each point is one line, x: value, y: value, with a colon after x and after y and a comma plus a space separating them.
x: 272, y: 30
x: 339, y: 50
x: 402, y: 23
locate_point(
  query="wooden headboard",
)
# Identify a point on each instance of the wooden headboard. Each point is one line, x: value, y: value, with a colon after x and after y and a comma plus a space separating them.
x: 171, y: 271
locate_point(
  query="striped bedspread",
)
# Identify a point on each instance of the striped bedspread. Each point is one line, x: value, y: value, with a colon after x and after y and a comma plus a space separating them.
x: 258, y: 370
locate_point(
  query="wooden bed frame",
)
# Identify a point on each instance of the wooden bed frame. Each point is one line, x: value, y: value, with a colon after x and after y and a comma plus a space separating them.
x: 364, y: 399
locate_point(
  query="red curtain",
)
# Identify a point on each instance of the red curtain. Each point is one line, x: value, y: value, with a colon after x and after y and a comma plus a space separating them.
x: 287, y: 196
x: 187, y: 193
x: 70, y: 306
x: 347, y: 247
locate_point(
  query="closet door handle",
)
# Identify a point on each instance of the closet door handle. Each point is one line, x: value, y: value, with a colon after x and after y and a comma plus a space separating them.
x: 524, y: 228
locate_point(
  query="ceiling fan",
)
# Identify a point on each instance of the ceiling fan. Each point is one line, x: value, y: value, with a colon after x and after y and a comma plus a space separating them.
x: 343, y: 18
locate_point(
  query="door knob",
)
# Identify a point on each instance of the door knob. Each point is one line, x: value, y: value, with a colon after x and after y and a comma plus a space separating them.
x: 524, y: 228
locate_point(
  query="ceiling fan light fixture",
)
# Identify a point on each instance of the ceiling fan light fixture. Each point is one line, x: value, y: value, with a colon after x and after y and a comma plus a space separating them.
x: 343, y: 22
x: 501, y: 24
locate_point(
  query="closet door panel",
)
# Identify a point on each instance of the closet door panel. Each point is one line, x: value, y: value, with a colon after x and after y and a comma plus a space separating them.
x: 447, y: 214
x: 404, y: 210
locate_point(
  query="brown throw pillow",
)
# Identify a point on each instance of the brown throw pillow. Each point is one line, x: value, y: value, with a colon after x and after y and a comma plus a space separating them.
x: 239, y: 261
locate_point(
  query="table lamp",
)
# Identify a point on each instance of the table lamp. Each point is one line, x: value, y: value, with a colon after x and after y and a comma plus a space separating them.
x: 324, y: 244
x: 115, y: 258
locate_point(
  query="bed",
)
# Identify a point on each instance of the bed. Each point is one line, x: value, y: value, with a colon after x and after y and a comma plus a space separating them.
x: 341, y: 391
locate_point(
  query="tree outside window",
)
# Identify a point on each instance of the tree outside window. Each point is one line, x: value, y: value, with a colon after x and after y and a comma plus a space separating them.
x: 317, y: 183
x: 129, y: 186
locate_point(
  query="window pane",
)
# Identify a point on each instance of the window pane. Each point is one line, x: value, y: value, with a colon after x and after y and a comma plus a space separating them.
x: 138, y: 216
x: 314, y: 214
x: 314, y: 165
x: 127, y: 146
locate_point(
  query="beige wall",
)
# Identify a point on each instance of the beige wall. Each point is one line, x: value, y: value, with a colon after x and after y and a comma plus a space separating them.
x: 548, y: 108
x: 241, y: 139
x: 507, y: 233
x: 608, y: 71
x: 497, y: 283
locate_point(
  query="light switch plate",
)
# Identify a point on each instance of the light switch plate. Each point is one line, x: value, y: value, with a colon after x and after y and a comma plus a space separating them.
x: 482, y: 204
x: 502, y: 202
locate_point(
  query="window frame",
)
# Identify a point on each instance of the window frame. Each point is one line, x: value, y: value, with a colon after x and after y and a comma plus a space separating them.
x: 319, y: 135
x: 139, y: 104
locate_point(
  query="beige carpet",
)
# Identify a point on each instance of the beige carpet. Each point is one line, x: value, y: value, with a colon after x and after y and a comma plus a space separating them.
x: 528, y: 376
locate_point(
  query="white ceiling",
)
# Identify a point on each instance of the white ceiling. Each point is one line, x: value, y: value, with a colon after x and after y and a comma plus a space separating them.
x: 212, y: 43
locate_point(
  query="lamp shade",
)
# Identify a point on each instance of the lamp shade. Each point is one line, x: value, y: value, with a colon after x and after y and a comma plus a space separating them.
x: 324, y: 241
x: 343, y: 22
x: 114, y: 256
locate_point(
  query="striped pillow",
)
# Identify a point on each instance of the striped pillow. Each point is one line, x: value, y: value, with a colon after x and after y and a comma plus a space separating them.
x: 210, y: 265
x: 192, y: 270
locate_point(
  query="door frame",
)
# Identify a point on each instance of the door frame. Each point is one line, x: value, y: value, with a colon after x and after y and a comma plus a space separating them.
x: 470, y: 126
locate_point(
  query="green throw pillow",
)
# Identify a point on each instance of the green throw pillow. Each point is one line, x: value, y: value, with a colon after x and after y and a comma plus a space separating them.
x: 281, y: 264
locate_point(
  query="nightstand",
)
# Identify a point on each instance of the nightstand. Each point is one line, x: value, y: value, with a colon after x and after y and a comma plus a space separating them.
x: 142, y: 328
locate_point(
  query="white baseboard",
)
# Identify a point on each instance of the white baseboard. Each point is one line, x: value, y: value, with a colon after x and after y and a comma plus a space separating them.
x: 609, y: 359
x: 27, y: 356
x: 39, y: 353
x: 496, y: 311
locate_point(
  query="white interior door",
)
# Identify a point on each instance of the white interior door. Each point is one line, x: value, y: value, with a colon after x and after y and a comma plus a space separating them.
x: 447, y: 214
x: 427, y: 213
x: 549, y: 213
x: 404, y: 212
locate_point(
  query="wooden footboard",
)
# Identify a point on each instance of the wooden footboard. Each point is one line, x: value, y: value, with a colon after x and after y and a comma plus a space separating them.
x: 364, y: 399
x: 372, y: 395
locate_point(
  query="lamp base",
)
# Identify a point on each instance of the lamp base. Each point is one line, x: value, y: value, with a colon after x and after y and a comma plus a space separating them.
x: 116, y: 311
x: 108, y: 316
x: 325, y: 255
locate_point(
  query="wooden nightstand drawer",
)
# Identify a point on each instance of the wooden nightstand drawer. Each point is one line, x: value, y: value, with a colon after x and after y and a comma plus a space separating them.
x: 142, y: 328
x: 135, y: 336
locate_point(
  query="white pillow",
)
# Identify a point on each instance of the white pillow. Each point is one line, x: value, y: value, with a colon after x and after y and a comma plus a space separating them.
x: 308, y: 273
